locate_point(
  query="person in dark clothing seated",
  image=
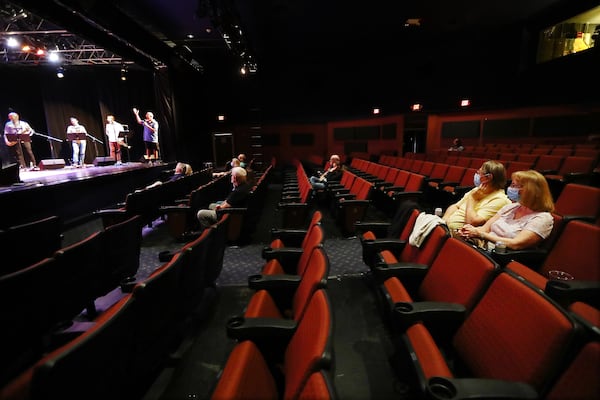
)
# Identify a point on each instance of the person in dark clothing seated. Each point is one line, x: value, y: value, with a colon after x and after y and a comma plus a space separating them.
x: 333, y: 174
x: 237, y: 198
x: 181, y: 170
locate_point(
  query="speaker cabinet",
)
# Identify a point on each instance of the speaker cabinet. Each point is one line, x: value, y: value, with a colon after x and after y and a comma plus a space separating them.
x: 52, y: 163
x: 9, y: 175
x: 103, y: 161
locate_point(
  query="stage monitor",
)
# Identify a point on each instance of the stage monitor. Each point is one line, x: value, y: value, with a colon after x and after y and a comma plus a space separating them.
x: 9, y: 174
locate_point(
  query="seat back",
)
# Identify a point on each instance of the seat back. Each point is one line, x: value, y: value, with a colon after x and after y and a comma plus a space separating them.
x: 96, y: 362
x: 246, y: 375
x: 193, y: 271
x: 577, y: 164
x: 214, y: 258
x: 78, y: 278
x: 576, y: 252
x: 319, y: 386
x: 578, y: 200
x: 459, y: 274
x: 45, y: 233
x: 310, y: 348
x: 429, y: 248
x: 158, y: 317
x: 122, y: 244
x: 315, y: 277
x: 535, y: 333
x: 315, y: 238
x: 25, y: 307
x: 579, y: 379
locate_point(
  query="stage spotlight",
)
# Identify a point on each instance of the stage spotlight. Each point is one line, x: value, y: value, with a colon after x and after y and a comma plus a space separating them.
x: 123, y: 72
x: 60, y: 72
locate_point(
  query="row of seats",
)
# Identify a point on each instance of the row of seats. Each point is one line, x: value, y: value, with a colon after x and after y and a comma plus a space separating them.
x: 454, y: 310
x: 147, y: 202
x: 445, y: 184
x: 296, y: 194
x: 123, y: 349
x: 284, y: 337
x: 41, y: 300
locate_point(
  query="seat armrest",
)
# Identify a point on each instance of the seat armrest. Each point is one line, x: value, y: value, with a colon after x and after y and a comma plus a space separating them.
x: 439, y: 388
x: 261, y: 329
x: 394, y: 188
x: 377, y: 245
x: 566, y: 292
x: 379, y: 229
x: 175, y: 208
x: 438, y: 180
x: 231, y: 210
x: 533, y: 258
x: 274, y: 282
x: 291, y: 237
x: 405, y: 314
x: 449, y: 183
x: 401, y: 270
x: 283, y: 254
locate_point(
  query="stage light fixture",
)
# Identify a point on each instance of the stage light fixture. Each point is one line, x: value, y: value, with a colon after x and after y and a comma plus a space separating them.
x: 12, y: 42
x: 60, y: 72
x: 123, y: 72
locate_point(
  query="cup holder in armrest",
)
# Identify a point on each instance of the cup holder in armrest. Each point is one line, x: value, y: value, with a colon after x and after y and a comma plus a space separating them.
x: 440, y: 388
x: 403, y: 307
x: 235, y: 322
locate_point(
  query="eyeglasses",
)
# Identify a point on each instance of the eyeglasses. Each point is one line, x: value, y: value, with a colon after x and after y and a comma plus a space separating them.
x: 479, y: 172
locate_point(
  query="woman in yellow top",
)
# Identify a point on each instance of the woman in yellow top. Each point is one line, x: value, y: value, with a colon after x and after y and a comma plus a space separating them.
x: 482, y: 202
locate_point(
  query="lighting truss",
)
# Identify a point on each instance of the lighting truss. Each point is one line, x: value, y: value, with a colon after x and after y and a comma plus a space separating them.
x: 41, y: 34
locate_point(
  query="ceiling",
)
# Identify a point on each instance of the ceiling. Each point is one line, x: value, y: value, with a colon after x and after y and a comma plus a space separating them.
x: 347, y: 46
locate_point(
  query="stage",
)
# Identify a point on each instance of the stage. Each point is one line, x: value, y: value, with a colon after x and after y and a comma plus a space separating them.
x: 74, y: 192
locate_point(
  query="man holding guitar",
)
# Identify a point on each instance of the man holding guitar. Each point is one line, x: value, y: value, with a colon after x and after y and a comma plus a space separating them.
x: 16, y: 142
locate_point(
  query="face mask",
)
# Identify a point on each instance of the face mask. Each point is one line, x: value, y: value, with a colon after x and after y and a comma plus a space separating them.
x: 513, y: 194
x: 476, y: 179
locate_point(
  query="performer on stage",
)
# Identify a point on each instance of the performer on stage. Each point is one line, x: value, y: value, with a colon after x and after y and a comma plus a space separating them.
x: 15, y: 148
x: 79, y: 145
x: 150, y: 134
x: 112, y: 129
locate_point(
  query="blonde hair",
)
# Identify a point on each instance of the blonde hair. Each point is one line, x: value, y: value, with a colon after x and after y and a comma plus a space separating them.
x: 185, y: 169
x: 536, y: 193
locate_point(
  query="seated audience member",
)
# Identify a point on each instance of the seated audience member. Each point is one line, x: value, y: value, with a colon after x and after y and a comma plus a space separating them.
x: 333, y: 174
x: 235, y: 162
x: 237, y: 198
x: 482, y: 202
x: 242, y: 158
x: 181, y: 170
x: 456, y: 145
x: 522, y: 224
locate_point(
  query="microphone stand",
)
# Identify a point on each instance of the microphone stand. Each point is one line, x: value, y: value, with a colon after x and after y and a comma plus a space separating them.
x: 96, y: 141
x: 50, y: 139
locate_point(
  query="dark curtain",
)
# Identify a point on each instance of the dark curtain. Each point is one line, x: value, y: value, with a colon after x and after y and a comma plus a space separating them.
x: 89, y: 94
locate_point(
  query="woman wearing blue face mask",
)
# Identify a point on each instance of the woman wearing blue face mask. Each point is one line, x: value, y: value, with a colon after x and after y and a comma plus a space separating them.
x: 523, y: 224
x: 482, y: 202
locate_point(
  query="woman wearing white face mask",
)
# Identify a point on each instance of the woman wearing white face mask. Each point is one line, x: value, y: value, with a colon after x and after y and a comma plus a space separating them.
x: 481, y: 203
x: 524, y: 223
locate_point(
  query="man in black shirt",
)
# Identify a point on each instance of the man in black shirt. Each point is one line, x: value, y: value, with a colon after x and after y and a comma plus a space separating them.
x: 237, y: 198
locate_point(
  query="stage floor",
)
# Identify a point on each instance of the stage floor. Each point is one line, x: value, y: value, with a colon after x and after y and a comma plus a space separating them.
x: 71, y: 192
x: 45, y: 177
